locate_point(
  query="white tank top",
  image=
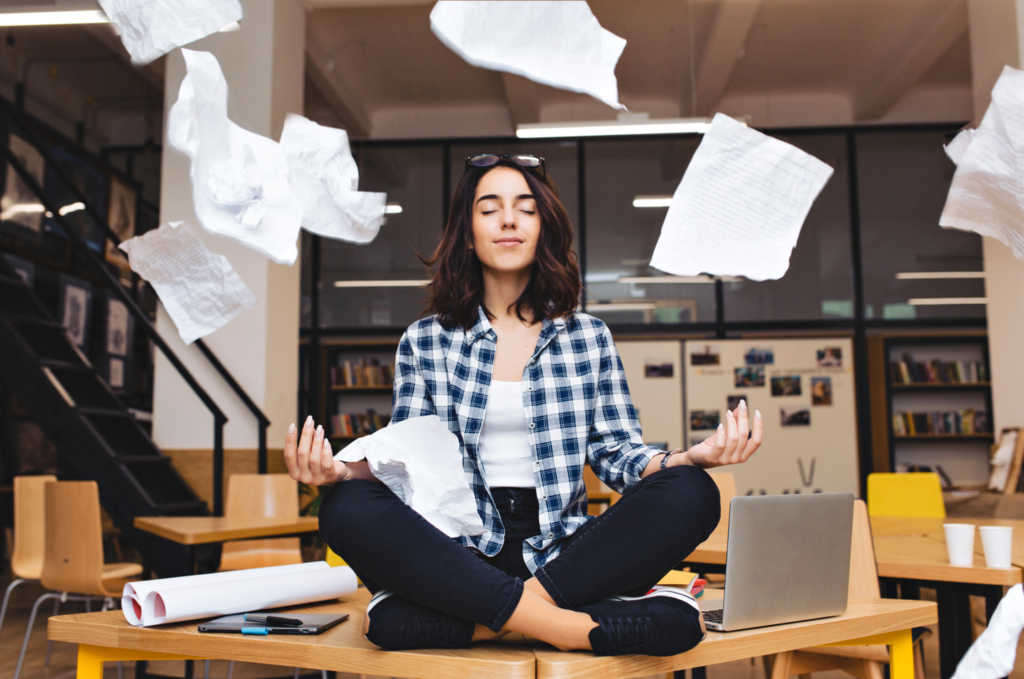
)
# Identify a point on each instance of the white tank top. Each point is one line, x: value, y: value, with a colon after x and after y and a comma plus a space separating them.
x: 504, y: 439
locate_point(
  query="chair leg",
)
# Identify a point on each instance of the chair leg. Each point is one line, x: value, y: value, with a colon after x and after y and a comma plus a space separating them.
x: 231, y: 668
x: 28, y: 632
x: 296, y: 673
x: 7, y: 596
x: 206, y: 669
x: 120, y: 669
x: 49, y: 644
x: 782, y: 664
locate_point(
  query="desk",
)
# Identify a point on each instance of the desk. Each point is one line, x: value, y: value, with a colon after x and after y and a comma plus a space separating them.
x: 107, y: 636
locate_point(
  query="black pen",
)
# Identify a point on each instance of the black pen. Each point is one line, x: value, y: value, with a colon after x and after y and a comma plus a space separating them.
x: 273, y: 620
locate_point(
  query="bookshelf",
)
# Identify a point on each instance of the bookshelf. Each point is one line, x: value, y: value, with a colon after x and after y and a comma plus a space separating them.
x: 356, y: 387
x: 932, y: 404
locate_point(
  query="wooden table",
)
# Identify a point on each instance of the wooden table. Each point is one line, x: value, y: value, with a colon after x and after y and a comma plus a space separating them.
x: 107, y: 636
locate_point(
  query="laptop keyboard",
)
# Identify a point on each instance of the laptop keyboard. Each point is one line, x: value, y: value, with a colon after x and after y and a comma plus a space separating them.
x: 714, y: 616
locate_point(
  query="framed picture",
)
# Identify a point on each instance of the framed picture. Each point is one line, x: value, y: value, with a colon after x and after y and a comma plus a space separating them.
x: 120, y: 327
x: 120, y: 219
x: 75, y: 305
x: 92, y: 183
x: 18, y: 205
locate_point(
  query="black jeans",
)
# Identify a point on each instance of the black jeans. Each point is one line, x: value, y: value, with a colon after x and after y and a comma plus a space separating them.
x: 626, y: 550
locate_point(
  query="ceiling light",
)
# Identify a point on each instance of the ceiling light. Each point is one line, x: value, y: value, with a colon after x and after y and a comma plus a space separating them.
x: 73, y: 207
x: 21, y: 208
x: 938, y: 301
x: 381, y: 284
x: 614, y: 128
x: 652, y: 201
x: 393, y: 209
x: 918, y: 275
x: 677, y: 279
x: 92, y: 16
x: 621, y: 306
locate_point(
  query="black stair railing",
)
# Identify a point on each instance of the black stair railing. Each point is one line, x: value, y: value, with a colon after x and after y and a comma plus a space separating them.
x: 112, y: 283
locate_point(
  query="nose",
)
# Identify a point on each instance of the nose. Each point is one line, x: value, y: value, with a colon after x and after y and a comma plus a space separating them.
x: 508, y: 218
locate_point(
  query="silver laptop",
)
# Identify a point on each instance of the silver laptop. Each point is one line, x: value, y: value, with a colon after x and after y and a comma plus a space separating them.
x: 788, y: 560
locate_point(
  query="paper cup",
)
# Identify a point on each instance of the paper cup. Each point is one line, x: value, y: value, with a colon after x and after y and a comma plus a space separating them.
x: 998, y: 544
x: 960, y: 543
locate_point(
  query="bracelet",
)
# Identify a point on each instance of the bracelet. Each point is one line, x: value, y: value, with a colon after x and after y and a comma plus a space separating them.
x: 664, y: 460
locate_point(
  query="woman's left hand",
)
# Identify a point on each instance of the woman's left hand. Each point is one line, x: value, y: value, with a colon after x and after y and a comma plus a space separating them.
x: 733, y: 443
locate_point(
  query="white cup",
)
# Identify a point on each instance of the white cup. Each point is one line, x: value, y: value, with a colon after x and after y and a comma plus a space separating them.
x: 998, y: 544
x: 960, y: 543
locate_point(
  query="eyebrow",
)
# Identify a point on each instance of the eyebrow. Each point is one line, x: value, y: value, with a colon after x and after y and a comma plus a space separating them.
x: 494, y: 196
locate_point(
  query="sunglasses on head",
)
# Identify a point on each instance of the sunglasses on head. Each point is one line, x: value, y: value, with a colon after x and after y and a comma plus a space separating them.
x: 491, y: 159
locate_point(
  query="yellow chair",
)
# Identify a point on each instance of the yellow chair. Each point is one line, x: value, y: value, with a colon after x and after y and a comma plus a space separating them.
x: 29, y: 533
x: 912, y: 495
x: 333, y: 559
x: 265, y: 495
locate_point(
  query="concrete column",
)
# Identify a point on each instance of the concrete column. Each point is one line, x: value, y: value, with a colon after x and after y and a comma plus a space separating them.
x: 264, y: 67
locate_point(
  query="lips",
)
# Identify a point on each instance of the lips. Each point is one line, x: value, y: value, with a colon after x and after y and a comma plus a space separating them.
x: 509, y: 241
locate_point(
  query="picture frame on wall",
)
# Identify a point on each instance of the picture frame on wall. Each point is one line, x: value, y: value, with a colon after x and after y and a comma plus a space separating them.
x: 74, y: 305
x: 19, y: 207
x: 91, y: 183
x: 121, y: 217
x: 119, y: 339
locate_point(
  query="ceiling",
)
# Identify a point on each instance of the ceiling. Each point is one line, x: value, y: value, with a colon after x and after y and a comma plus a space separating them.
x: 375, y: 68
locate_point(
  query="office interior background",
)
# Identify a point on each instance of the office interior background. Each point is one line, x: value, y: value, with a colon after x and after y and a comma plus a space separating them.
x: 874, y: 89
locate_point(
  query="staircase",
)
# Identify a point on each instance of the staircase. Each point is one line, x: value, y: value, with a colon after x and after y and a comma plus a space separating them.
x: 96, y: 437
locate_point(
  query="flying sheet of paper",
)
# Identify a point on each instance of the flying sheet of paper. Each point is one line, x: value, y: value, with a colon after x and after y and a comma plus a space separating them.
x: 151, y: 28
x: 420, y: 461
x: 992, y: 654
x: 987, y: 193
x: 955, y: 149
x: 740, y: 206
x: 560, y: 44
x: 240, y: 185
x: 199, y: 289
x: 326, y: 178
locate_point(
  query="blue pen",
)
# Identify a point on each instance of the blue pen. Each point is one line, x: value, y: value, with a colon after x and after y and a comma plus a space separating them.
x: 259, y: 631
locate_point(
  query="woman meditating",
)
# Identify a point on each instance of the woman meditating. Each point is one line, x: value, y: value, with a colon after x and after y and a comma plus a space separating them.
x: 534, y: 391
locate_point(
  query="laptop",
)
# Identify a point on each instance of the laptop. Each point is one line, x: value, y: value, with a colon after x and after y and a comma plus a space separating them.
x: 788, y: 561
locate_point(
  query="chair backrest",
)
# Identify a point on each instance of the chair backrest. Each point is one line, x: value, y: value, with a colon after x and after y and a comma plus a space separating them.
x: 863, y: 568
x: 74, y: 538
x: 912, y: 495
x: 29, y: 525
x: 265, y: 495
x: 726, y: 483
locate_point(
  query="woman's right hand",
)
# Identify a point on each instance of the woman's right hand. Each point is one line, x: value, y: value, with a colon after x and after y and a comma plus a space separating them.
x: 310, y: 459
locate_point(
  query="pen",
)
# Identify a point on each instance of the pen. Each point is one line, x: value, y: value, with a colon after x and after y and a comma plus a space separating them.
x: 273, y: 620
x: 261, y: 631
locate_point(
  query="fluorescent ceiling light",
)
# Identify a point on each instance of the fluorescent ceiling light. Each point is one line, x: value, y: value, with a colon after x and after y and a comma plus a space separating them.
x: 938, y: 301
x: 621, y: 306
x: 57, y: 18
x: 652, y: 201
x: 609, y: 128
x: 21, y: 208
x: 918, y: 275
x: 676, y: 279
x: 393, y: 209
x: 381, y: 284
x: 73, y: 207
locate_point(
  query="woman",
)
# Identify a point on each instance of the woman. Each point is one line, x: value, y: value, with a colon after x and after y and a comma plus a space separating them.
x: 534, y: 391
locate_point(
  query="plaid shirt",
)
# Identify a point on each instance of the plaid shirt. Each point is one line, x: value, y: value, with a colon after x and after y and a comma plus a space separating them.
x: 577, y: 407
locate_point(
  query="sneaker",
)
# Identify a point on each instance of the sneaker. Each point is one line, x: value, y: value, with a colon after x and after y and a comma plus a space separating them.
x: 397, y: 624
x: 665, y: 621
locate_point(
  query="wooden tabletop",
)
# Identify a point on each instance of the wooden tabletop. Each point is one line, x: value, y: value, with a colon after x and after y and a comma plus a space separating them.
x: 340, y: 648
x: 199, y: 530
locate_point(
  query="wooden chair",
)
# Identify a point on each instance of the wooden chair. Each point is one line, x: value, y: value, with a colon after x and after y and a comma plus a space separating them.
x: 29, y: 532
x: 266, y: 495
x: 863, y: 662
x: 73, y: 556
x: 910, y: 495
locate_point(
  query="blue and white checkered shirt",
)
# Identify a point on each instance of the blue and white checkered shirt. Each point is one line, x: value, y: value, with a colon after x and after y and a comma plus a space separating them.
x: 577, y: 407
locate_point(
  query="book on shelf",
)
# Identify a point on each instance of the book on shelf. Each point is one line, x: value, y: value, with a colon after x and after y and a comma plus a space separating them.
x: 938, y: 422
x: 363, y: 372
x: 909, y: 371
x: 358, y: 424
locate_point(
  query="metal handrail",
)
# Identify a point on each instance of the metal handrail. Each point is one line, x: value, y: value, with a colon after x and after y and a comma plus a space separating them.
x: 262, y: 419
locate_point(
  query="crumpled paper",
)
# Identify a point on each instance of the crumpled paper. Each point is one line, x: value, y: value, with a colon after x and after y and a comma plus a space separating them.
x: 993, y: 653
x: 240, y: 186
x: 956, y: 148
x: 325, y: 177
x: 151, y: 28
x: 199, y: 289
x: 420, y: 461
x: 560, y: 44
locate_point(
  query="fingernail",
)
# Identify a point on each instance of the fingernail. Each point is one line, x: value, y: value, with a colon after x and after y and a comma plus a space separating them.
x: 757, y: 414
x: 743, y: 404
x: 309, y: 421
x: 728, y: 413
x: 721, y: 426
x: 319, y: 429
x: 291, y: 428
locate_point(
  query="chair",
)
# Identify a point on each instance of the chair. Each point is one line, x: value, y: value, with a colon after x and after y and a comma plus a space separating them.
x: 29, y: 532
x: 910, y: 495
x: 73, y: 555
x: 264, y: 495
x: 863, y: 662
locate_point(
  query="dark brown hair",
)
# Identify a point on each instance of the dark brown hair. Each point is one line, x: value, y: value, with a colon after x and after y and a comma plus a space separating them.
x: 456, y: 286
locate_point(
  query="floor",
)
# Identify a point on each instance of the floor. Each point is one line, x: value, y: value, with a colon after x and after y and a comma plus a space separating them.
x: 62, y: 662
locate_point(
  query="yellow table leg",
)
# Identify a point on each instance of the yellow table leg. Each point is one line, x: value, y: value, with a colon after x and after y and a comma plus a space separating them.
x: 901, y: 650
x: 91, y: 658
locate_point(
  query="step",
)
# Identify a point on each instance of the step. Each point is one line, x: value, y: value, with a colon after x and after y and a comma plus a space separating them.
x: 56, y: 364
x: 17, y: 298
x: 195, y: 508
x: 92, y: 411
x: 144, y: 459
